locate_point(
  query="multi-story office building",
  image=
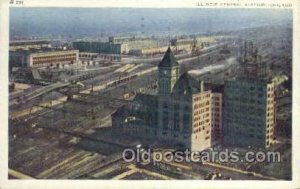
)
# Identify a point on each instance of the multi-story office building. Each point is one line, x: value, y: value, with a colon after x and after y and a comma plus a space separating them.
x: 182, y: 113
x: 248, y: 113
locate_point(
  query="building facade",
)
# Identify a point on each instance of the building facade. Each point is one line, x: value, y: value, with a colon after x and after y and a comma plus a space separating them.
x: 249, y: 113
x: 180, y: 114
x: 27, y: 45
x: 39, y: 59
x: 86, y: 56
x: 100, y: 47
x: 53, y: 58
x: 216, y: 117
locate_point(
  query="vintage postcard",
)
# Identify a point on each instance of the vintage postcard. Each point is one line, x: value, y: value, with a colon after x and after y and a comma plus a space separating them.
x: 197, y: 91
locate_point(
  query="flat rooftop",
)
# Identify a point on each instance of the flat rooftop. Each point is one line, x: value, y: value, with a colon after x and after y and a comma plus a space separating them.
x: 41, y: 50
x: 31, y: 42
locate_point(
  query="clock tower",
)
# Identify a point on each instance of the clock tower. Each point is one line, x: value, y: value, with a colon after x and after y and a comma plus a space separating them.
x: 168, y: 70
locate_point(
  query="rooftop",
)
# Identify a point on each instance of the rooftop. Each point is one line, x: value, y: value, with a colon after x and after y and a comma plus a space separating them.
x: 41, y: 50
x: 187, y: 84
x: 168, y: 60
x: 31, y: 42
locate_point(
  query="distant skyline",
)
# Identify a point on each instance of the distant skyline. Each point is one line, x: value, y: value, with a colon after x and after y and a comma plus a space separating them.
x: 133, y: 21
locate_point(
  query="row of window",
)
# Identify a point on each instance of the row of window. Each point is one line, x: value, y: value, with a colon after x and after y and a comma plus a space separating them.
x: 196, y: 106
x: 255, y: 136
x: 54, y: 57
x: 244, y: 100
x: 201, y: 111
x: 215, y: 120
x: 216, y: 98
x: 197, y: 131
x: 48, y: 63
x: 215, y: 126
x: 252, y: 88
x: 176, y: 107
x: 198, y: 98
x: 199, y: 124
x: 237, y: 112
x: 215, y: 115
x: 52, y: 60
x: 240, y: 121
x: 175, y: 135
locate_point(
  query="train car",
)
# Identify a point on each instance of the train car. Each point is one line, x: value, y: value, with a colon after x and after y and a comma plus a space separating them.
x: 120, y: 81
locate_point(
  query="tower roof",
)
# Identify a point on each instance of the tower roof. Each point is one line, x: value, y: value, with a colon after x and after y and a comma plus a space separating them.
x: 187, y: 84
x: 168, y: 60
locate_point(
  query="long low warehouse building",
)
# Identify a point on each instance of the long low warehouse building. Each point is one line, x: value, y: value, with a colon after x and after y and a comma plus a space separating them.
x: 43, y: 58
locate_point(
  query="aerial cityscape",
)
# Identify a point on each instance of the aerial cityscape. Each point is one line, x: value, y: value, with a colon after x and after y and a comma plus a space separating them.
x: 150, y: 94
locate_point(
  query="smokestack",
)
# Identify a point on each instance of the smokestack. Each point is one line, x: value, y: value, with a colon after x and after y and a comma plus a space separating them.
x: 201, y: 86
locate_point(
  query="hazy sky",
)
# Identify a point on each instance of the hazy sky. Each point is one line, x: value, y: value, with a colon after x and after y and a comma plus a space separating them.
x: 111, y: 21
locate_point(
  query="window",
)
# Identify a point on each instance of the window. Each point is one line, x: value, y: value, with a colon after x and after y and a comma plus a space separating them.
x: 195, y: 107
x: 165, y: 105
x: 165, y: 123
x: 176, y: 122
x: 186, y: 119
